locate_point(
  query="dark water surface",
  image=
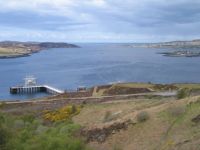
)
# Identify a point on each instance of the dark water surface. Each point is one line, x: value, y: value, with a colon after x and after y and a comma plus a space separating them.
x: 94, y: 64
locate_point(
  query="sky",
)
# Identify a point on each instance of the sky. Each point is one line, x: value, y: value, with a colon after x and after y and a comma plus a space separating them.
x: 136, y: 21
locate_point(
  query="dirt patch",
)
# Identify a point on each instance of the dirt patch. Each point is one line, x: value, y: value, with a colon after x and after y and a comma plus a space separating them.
x: 125, y: 90
x: 103, y: 87
x: 165, y: 87
x: 100, y: 134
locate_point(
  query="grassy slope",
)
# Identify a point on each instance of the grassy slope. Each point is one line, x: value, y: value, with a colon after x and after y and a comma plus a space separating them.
x: 33, y: 132
x: 11, y: 51
x: 163, y: 131
x: 144, y: 85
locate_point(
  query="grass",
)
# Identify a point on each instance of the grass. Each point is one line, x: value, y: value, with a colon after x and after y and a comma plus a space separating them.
x: 30, y: 132
x: 129, y: 85
x: 11, y: 51
x: 169, y: 125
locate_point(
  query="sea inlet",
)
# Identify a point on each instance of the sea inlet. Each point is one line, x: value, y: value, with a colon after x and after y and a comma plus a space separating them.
x: 95, y: 64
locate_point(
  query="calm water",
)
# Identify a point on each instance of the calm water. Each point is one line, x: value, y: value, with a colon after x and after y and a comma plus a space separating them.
x: 94, y: 64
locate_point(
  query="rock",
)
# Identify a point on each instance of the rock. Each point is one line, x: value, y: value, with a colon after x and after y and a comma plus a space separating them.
x: 100, y: 134
x: 196, y: 119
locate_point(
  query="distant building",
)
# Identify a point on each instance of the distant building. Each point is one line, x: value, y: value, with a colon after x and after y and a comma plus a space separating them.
x: 81, y: 89
x: 30, y: 81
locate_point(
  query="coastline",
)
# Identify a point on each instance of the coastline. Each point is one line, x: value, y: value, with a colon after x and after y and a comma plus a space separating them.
x: 15, y: 56
x: 113, y: 91
x: 10, y: 49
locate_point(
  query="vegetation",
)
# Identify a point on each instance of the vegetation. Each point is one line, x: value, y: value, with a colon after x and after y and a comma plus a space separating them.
x: 28, y: 132
x: 107, y: 116
x: 176, y: 111
x: 182, y: 93
x: 142, y: 116
x: 62, y: 114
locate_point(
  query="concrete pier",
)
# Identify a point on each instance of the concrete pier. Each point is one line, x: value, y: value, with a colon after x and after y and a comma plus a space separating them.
x: 35, y: 89
x: 30, y: 86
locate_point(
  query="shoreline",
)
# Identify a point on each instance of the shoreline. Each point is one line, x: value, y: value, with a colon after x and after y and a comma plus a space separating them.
x: 15, y: 56
x: 112, y: 91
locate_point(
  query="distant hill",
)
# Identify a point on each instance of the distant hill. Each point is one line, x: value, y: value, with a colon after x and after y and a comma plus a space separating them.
x: 173, y: 44
x: 35, y: 45
x: 10, y: 49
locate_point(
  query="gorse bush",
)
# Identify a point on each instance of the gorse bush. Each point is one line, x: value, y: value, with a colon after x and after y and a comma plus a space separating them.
x: 142, y: 116
x: 62, y: 114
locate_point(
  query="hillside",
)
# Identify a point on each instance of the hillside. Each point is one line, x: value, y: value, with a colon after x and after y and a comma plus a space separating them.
x: 10, y: 49
x: 170, y: 124
x: 140, y: 122
x: 172, y: 44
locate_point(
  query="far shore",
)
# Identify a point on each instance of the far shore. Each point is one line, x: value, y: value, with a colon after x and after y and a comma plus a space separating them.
x: 12, y: 49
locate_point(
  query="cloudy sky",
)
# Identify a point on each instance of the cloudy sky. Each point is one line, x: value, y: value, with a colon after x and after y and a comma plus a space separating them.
x: 99, y: 20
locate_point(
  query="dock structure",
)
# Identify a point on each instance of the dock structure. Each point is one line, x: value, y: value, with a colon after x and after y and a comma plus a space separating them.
x: 52, y: 90
x: 31, y: 86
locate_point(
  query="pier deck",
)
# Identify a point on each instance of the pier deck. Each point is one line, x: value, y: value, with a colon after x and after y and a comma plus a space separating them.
x: 35, y: 89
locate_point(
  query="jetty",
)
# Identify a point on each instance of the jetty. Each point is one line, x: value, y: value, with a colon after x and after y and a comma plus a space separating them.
x: 31, y: 86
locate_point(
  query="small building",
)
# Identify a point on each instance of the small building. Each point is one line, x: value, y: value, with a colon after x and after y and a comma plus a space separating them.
x: 30, y: 81
x: 81, y: 89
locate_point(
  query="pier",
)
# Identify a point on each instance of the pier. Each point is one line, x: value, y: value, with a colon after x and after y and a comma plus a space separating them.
x: 31, y: 86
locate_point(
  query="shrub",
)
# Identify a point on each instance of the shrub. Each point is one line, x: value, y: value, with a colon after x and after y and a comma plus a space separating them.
x: 111, y: 116
x: 62, y: 114
x: 182, y: 93
x: 4, y: 137
x: 74, y: 109
x: 41, y: 129
x: 19, y: 124
x: 28, y: 118
x: 2, y: 119
x: 142, y: 116
x: 107, y: 116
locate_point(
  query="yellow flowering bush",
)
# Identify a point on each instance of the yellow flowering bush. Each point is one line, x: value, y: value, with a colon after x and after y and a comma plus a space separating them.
x: 61, y: 114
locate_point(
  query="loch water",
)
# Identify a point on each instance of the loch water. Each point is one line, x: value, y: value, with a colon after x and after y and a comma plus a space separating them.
x: 96, y: 64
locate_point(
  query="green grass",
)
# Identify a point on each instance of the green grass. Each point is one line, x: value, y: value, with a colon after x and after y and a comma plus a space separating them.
x: 180, y: 127
x: 30, y: 133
